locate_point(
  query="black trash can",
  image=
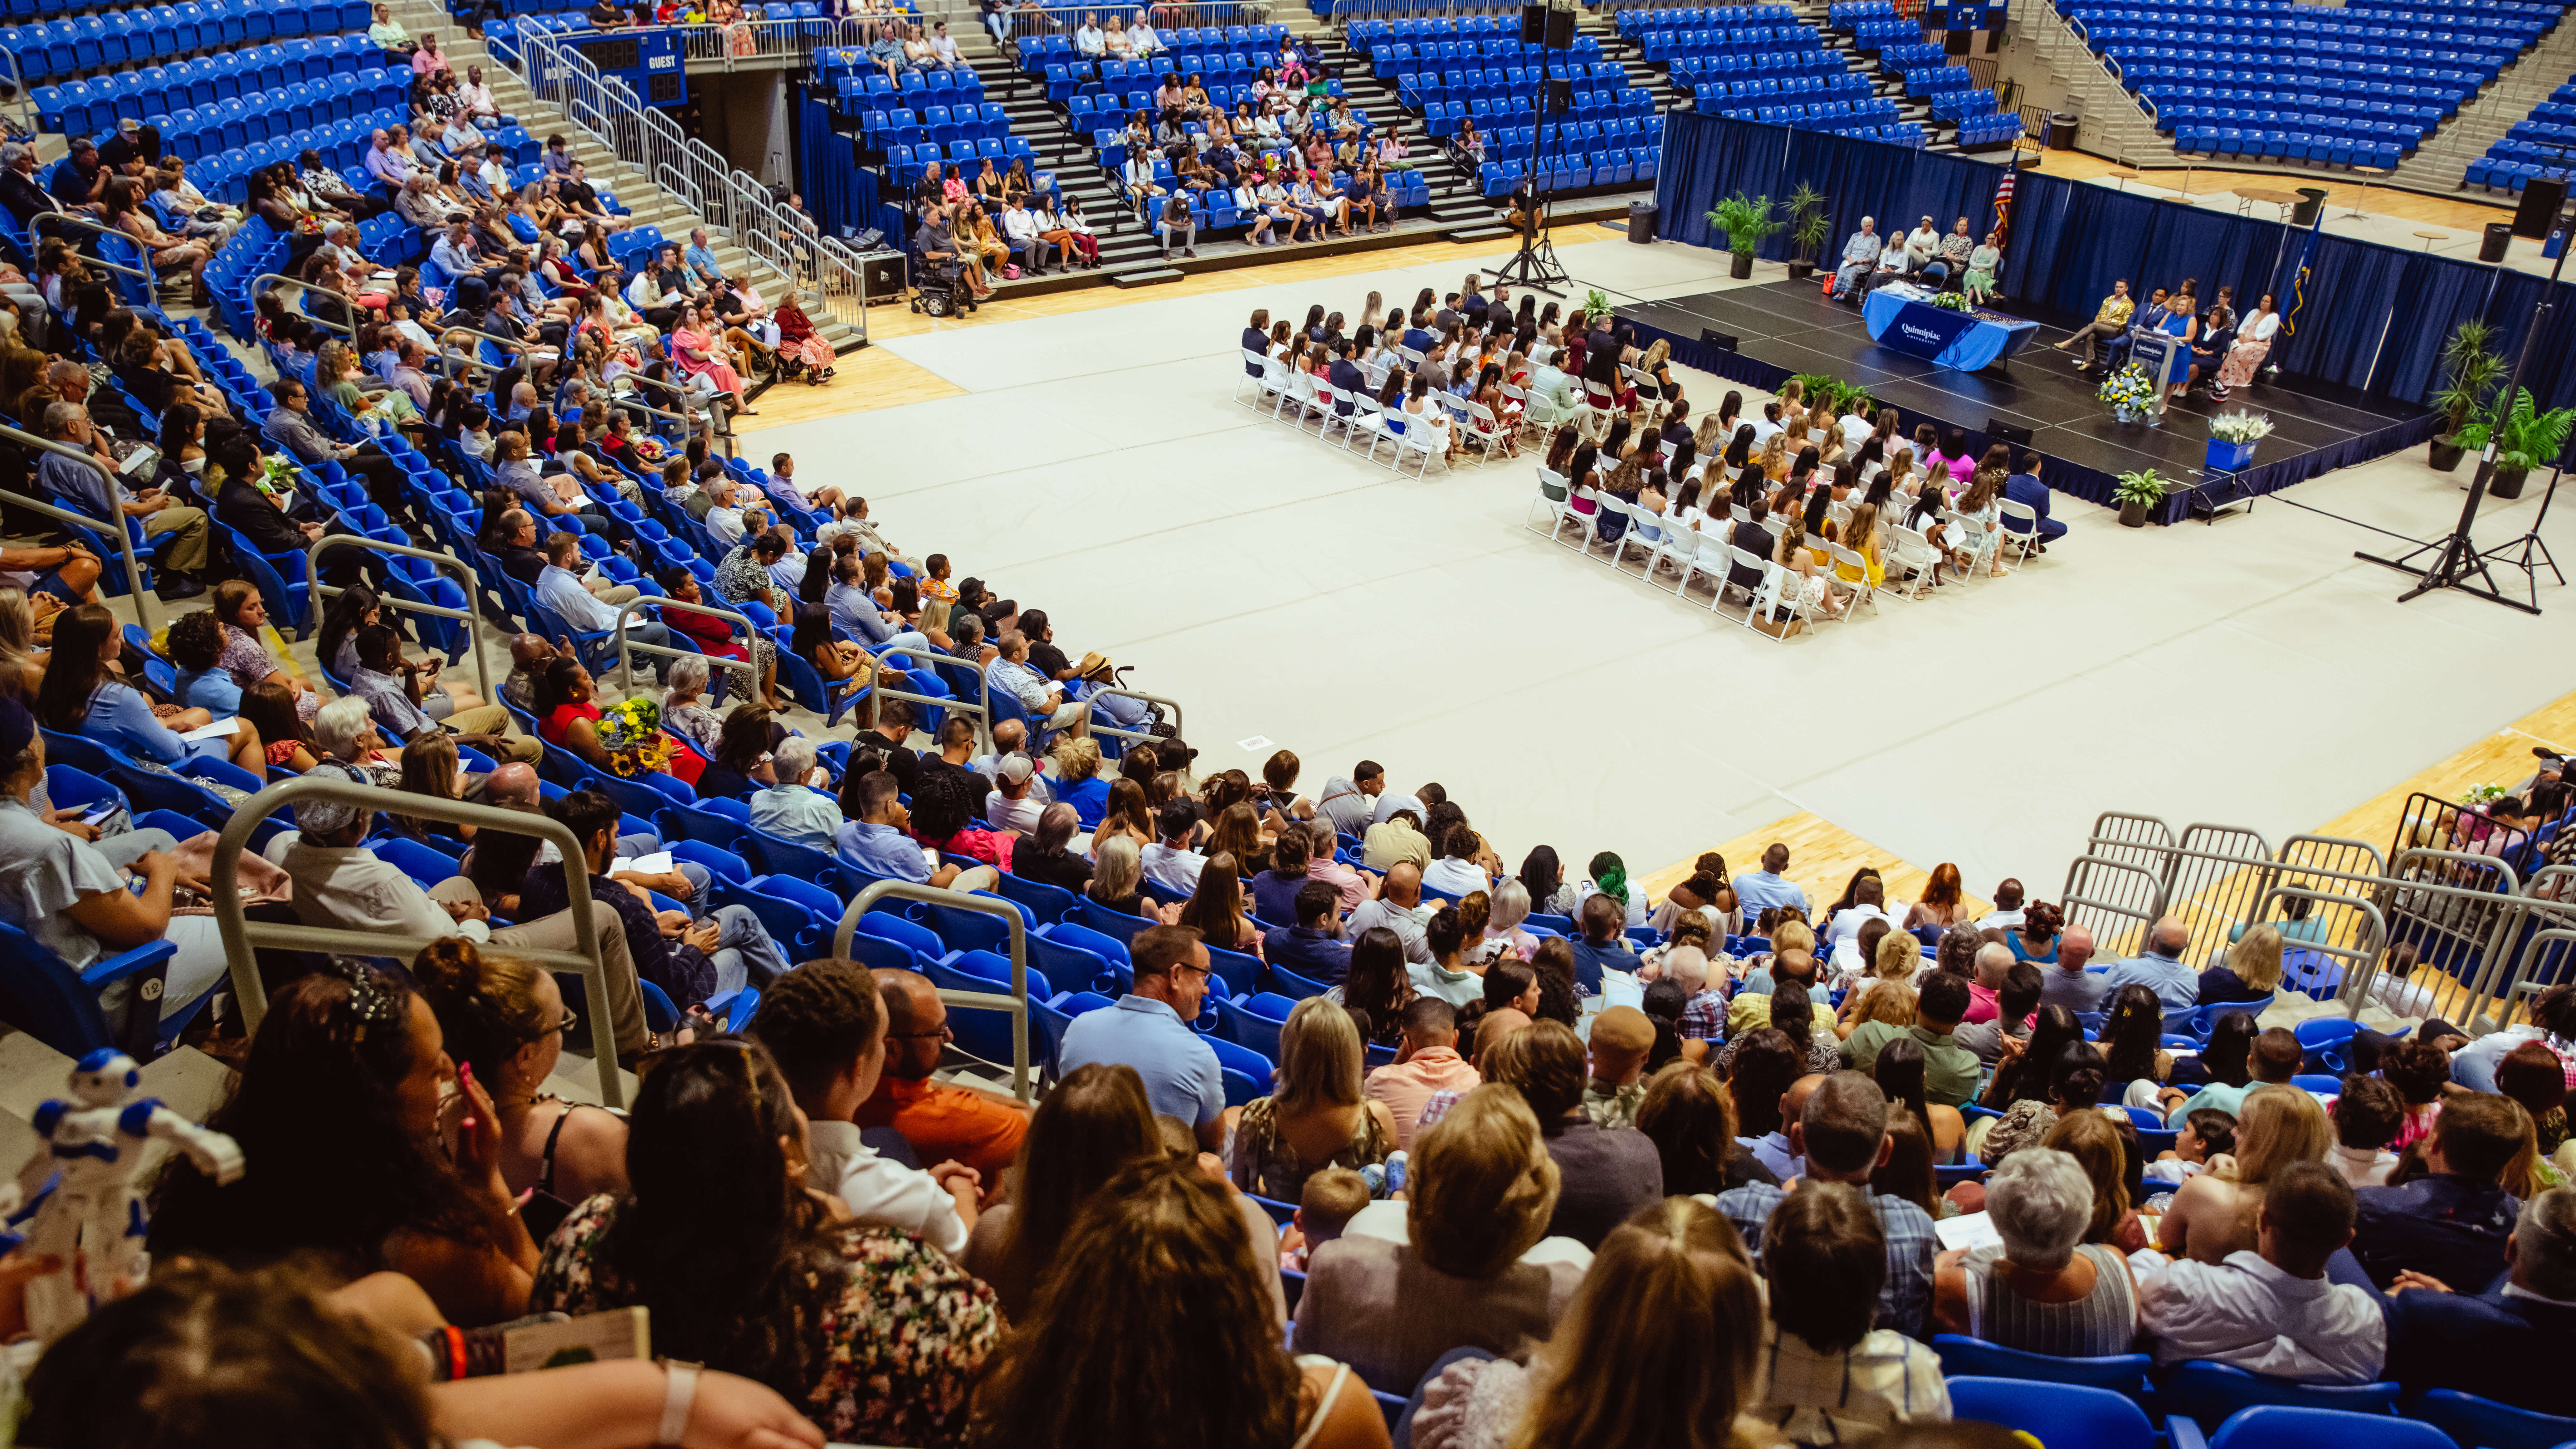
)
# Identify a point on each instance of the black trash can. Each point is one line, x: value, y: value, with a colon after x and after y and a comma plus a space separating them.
x: 1642, y: 216
x: 2312, y: 201
x: 2061, y: 130
x: 2499, y: 239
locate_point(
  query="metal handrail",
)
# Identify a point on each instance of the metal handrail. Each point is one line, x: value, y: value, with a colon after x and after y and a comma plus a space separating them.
x: 982, y: 709
x: 634, y: 606
x: 318, y: 590
x: 241, y: 937
x: 770, y: 39
x: 1145, y: 735
x: 2361, y: 959
x: 91, y: 259
x: 668, y: 176
x: 1017, y: 1003
x: 647, y: 139
x: 28, y: 115
x: 117, y: 530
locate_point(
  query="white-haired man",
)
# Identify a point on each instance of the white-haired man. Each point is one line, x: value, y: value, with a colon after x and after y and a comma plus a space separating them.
x: 788, y: 809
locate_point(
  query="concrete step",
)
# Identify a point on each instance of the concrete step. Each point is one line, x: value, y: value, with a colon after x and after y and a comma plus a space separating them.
x: 1143, y: 276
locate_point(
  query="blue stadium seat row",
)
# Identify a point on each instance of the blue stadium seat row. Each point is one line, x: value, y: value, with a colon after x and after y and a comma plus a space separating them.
x: 1441, y: 118
x: 1628, y: 133
x: 941, y: 124
x: 1617, y: 167
x: 858, y: 94
x: 2536, y: 146
x: 199, y: 132
x: 1393, y: 57
x: 908, y: 162
x: 1414, y: 88
x: 1874, y: 118
x: 50, y: 49
x: 96, y: 104
x: 1037, y: 52
x: 1635, y: 22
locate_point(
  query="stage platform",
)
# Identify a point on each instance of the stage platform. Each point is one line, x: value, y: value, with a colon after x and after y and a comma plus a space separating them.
x: 1786, y: 328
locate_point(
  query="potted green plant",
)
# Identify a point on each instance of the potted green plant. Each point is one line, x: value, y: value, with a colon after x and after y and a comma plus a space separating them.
x: 2136, y: 493
x: 1596, y: 303
x: 1808, y: 228
x: 2470, y: 369
x: 2232, y: 437
x: 1747, y: 222
x: 1818, y: 388
x: 2525, y: 438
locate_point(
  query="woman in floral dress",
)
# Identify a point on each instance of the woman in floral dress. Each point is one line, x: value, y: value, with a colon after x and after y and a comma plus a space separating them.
x: 876, y: 1336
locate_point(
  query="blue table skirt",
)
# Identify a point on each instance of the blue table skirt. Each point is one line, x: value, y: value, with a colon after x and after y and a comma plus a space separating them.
x: 1961, y: 341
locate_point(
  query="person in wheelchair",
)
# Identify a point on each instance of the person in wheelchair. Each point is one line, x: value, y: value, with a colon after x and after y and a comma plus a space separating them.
x: 937, y: 268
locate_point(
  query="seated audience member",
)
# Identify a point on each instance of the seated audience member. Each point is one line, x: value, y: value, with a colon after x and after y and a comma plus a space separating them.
x: 2509, y: 1343
x: 789, y: 809
x: 1317, y: 1115
x: 1312, y: 948
x: 1950, y: 1072
x: 1331, y: 1199
x: 1446, y: 974
x: 1162, y: 1255
x: 1840, y: 1135
x: 338, y: 1101
x: 2366, y: 1114
x: 1428, y: 1062
x: 1825, y: 1374
x: 1396, y: 839
x: 1670, y: 1300
x: 1456, y: 873
x: 2212, y: 1215
x: 1274, y: 890
x: 2160, y: 968
x: 1013, y: 804
x: 2273, y: 1061
x: 880, y: 841
x: 82, y: 694
x: 1703, y: 1006
x: 2252, y: 971
x: 2045, y: 1290
x: 825, y: 1029
x: 2270, y: 1309
x: 1482, y: 1189
x: 2202, y: 1138
x: 1690, y: 1118
x: 182, y: 1360
x: 1172, y: 868
x: 1603, y: 947
x: 801, y: 1299
x: 340, y: 884
x: 1621, y: 1038
x: 196, y: 644
x: 2449, y: 1225
x: 505, y: 1023
x: 2014, y: 1004
x: 1048, y: 856
x: 942, y: 1123
x: 1149, y: 1029
x: 2069, y: 981
x: 1606, y: 1173
x: 690, y: 958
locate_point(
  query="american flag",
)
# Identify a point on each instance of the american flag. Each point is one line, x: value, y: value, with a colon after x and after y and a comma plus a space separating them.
x: 2004, y: 196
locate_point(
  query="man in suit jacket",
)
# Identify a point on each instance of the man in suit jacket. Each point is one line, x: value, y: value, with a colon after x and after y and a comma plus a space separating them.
x: 2023, y: 487
x: 1750, y: 536
x: 2510, y: 1344
x: 242, y: 507
x: 1256, y: 338
x: 1346, y: 378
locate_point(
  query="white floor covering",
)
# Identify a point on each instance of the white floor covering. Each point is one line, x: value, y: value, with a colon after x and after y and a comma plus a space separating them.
x: 1290, y: 593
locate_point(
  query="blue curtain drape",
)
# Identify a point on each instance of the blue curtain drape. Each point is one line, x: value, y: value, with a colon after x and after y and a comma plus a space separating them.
x: 2375, y: 320
x: 838, y: 191
x: 1704, y: 162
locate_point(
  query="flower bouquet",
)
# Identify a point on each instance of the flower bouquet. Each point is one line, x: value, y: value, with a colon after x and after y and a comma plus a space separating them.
x: 276, y: 475
x: 631, y: 732
x: 1952, y: 302
x: 2232, y: 437
x: 2130, y: 392
x: 2477, y: 796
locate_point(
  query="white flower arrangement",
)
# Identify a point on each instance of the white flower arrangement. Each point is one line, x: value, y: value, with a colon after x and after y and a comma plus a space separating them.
x: 2240, y: 427
x: 2477, y: 795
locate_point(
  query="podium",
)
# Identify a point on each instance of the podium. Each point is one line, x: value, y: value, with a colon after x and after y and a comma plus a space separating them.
x: 2163, y: 356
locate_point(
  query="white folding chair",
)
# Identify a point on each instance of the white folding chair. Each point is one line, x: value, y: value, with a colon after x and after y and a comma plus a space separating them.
x: 1476, y: 425
x: 1257, y: 373
x: 1328, y: 405
x: 1585, y: 517
x: 1647, y: 531
x: 1611, y: 506
x: 2015, y: 544
x: 1911, y: 555
x: 1299, y: 394
x: 1552, y: 496
x: 1708, y: 559
x: 1367, y: 419
x: 1862, y: 591
x: 1748, y: 559
x: 1412, y: 359
x: 1782, y: 600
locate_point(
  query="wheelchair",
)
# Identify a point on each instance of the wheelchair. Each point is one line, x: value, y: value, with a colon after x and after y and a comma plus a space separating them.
x: 939, y: 289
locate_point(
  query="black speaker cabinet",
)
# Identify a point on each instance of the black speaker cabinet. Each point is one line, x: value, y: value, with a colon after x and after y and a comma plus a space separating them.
x: 1533, y: 24
x: 1560, y: 30
x: 2541, y: 198
x: 1999, y: 431
x: 1560, y: 97
x: 1722, y: 341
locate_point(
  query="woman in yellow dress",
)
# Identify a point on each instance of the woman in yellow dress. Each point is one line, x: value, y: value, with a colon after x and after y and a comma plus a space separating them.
x: 1860, y: 535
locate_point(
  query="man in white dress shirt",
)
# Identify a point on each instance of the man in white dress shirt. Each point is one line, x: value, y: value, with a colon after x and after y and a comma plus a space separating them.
x: 2272, y: 1310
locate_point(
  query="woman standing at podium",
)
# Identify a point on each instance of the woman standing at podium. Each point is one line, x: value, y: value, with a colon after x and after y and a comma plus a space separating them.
x: 2253, y: 344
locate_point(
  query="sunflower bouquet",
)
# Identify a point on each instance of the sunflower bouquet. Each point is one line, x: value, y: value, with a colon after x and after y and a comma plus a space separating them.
x: 2128, y: 388
x: 631, y: 732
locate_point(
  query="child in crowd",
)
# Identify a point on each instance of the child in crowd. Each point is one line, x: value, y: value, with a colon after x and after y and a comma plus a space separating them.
x: 1332, y: 1198
x: 2367, y: 1116
x: 2205, y: 1134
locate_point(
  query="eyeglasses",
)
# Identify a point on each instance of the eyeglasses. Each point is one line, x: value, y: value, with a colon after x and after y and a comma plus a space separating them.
x: 564, y: 1026
x: 944, y: 1033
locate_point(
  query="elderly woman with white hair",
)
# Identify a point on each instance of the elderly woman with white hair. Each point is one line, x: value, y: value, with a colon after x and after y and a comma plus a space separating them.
x: 2045, y: 1290
x: 1503, y: 933
x: 345, y: 730
x: 684, y: 710
x: 790, y: 810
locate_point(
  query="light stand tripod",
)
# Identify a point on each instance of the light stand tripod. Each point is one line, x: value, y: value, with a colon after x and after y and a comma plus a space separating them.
x: 1535, y: 266
x: 2458, y: 563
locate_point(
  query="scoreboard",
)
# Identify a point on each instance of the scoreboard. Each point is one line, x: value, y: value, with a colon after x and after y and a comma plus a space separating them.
x: 647, y: 60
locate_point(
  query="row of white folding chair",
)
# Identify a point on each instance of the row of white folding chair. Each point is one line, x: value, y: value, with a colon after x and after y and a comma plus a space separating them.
x: 1306, y: 398
x: 1671, y: 543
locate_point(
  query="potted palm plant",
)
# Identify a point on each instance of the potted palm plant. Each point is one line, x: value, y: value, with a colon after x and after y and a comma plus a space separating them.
x: 2525, y: 438
x: 1747, y: 222
x: 2470, y: 369
x: 1808, y: 229
x: 2136, y: 493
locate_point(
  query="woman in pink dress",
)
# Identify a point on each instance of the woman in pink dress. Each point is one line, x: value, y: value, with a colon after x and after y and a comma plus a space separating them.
x: 700, y: 354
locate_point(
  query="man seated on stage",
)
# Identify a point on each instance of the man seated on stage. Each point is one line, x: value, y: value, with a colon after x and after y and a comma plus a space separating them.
x: 1860, y: 254
x: 2111, y: 320
x: 1922, y: 247
x: 2151, y: 318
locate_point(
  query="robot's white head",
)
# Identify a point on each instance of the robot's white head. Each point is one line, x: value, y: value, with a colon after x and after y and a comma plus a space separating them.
x: 102, y: 1078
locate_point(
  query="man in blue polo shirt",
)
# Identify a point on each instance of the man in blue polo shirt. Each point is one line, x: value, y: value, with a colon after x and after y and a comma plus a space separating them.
x: 2160, y: 968
x: 1757, y: 889
x: 1149, y: 1030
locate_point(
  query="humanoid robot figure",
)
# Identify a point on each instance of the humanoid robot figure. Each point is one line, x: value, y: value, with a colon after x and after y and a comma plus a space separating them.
x: 90, y: 1216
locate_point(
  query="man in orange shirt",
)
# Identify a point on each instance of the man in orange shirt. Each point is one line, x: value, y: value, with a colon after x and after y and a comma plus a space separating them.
x: 1428, y: 1063
x: 941, y: 1123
